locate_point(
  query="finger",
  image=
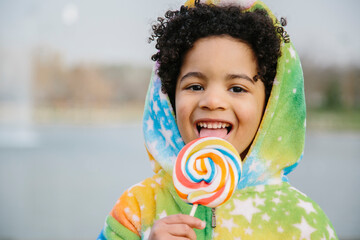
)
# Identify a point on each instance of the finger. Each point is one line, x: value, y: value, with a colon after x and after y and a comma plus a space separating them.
x: 193, y: 222
x: 166, y: 237
x: 164, y: 231
x: 181, y: 230
x: 182, y: 238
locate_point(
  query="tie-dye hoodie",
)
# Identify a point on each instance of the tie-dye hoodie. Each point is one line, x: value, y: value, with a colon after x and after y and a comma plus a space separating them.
x: 265, y: 205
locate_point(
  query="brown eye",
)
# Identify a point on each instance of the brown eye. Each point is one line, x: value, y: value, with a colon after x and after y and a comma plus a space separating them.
x: 195, y: 87
x: 237, y: 89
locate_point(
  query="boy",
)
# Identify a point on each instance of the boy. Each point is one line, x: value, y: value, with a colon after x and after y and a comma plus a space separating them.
x: 228, y: 71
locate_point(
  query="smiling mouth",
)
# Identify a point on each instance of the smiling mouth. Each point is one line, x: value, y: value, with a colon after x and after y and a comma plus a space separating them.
x: 214, y: 129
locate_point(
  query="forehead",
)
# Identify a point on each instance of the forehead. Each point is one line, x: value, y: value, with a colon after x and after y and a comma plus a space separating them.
x: 219, y: 53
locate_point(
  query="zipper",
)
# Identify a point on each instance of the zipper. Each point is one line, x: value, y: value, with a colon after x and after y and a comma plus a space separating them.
x: 213, y: 218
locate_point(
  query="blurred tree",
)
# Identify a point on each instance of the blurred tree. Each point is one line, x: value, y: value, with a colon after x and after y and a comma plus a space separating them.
x: 333, y: 95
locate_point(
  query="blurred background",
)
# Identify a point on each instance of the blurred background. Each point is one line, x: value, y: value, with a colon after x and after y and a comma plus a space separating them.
x: 73, y: 79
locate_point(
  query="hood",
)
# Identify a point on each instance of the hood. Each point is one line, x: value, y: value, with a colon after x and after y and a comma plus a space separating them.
x: 279, y: 142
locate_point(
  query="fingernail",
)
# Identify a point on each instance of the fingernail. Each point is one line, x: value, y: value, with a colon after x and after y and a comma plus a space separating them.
x: 203, y: 224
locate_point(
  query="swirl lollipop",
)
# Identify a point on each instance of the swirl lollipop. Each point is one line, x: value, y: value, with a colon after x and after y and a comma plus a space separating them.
x: 207, y: 171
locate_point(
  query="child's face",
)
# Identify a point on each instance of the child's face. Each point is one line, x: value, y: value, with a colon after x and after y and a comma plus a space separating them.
x: 215, y: 94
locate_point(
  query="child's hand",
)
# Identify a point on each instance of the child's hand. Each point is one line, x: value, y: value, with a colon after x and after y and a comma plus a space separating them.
x: 177, y: 227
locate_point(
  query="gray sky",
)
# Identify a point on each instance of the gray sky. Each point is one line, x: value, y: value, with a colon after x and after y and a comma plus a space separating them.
x: 116, y: 31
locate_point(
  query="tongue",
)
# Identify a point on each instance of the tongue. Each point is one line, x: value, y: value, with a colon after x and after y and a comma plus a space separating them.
x: 220, y: 132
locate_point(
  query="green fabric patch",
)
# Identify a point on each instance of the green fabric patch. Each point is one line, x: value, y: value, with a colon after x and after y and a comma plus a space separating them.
x: 116, y: 231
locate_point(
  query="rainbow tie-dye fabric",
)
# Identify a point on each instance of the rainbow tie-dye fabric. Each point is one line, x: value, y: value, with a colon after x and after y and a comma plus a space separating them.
x: 265, y: 205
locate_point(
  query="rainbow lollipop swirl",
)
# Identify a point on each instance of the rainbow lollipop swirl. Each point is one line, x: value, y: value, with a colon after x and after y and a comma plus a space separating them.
x: 207, y: 171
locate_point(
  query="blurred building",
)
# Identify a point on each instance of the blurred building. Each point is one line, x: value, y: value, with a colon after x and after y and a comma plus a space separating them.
x: 332, y: 87
x: 86, y: 85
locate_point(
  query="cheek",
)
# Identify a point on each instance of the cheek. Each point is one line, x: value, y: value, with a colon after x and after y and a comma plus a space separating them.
x: 180, y: 108
x: 251, y: 115
x: 181, y: 113
x: 182, y: 126
x: 183, y: 118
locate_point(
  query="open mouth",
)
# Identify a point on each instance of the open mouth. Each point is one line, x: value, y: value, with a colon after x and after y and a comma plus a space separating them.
x: 213, y: 129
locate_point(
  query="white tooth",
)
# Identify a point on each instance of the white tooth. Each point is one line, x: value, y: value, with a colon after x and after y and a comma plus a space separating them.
x: 223, y: 125
x: 218, y: 125
x: 210, y: 125
x: 205, y: 125
x: 201, y: 124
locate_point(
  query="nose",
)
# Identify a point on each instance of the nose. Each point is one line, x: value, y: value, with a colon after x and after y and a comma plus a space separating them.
x: 213, y: 99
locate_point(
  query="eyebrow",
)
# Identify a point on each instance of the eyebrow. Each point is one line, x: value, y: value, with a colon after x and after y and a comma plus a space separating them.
x: 243, y: 76
x: 228, y: 76
x: 193, y: 74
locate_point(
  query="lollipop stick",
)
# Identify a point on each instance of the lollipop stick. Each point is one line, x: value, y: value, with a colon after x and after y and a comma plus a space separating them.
x: 193, y: 210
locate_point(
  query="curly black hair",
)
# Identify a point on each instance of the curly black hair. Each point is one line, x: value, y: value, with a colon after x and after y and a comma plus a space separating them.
x: 180, y: 29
